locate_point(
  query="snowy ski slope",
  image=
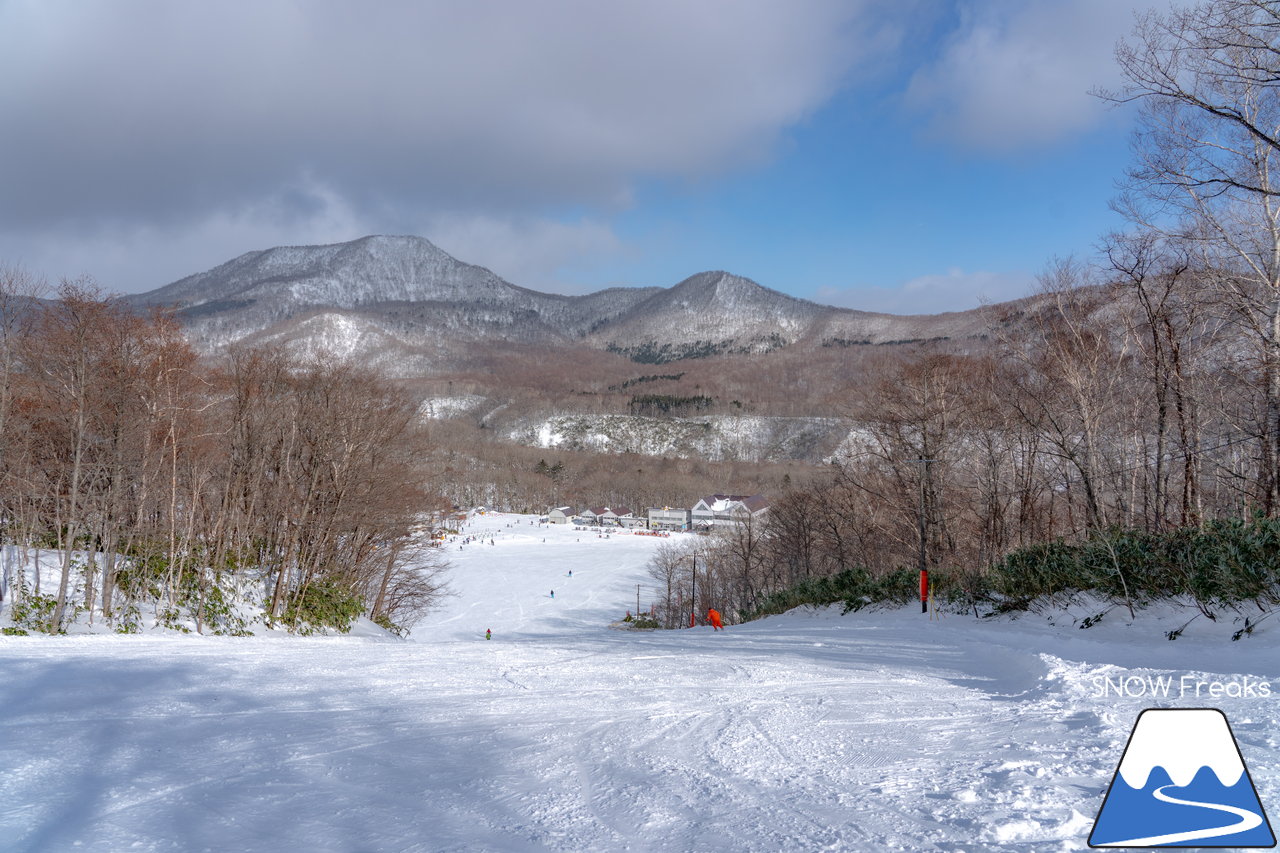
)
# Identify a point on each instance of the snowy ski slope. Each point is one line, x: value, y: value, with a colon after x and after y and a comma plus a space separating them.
x: 809, y: 731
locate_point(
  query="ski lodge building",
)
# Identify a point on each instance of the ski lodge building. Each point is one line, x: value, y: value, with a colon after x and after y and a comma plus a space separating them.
x: 723, y: 510
x: 707, y: 514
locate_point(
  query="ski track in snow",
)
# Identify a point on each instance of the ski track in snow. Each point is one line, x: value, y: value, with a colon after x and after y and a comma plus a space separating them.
x: 810, y: 731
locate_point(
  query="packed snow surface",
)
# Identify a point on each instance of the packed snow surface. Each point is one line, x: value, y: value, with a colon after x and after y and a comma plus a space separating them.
x: 809, y: 731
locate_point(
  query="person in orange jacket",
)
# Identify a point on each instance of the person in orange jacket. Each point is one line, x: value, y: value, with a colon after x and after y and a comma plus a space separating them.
x: 713, y: 616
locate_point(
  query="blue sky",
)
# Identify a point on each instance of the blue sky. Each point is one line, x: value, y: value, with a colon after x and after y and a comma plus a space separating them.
x: 897, y: 155
x: 852, y: 214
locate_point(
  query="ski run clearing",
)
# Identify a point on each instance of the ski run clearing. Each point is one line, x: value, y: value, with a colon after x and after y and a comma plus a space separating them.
x: 809, y: 731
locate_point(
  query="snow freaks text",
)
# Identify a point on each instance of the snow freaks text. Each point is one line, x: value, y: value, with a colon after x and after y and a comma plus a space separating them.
x: 1178, y: 687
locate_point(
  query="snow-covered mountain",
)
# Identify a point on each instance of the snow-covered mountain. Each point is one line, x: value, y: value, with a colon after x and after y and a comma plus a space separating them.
x: 412, y: 301
x: 571, y: 371
x: 344, y: 275
x: 716, y: 309
x: 407, y: 286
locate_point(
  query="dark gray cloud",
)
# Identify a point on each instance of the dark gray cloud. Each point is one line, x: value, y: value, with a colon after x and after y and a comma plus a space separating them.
x: 148, y: 114
x: 142, y: 140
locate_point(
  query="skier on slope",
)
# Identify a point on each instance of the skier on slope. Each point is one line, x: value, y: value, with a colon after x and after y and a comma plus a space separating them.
x: 713, y: 616
x: 488, y: 633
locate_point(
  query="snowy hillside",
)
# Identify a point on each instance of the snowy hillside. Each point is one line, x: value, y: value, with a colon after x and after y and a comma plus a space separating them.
x: 413, y: 292
x: 258, y: 290
x: 341, y: 275
x: 714, y: 437
x: 715, y: 307
x: 809, y: 731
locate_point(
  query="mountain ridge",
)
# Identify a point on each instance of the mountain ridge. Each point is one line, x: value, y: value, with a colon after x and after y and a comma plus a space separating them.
x: 417, y: 303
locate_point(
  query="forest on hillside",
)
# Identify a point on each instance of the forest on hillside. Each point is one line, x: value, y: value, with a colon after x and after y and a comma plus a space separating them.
x: 1137, y: 396
x: 154, y: 477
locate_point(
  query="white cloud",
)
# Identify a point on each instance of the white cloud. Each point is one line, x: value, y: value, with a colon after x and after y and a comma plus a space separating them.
x: 954, y: 290
x: 531, y: 252
x: 1017, y: 73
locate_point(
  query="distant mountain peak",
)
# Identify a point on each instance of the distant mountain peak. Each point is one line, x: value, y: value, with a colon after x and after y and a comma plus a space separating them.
x: 369, y: 270
x: 718, y: 291
x: 723, y: 285
x: 716, y: 278
x: 397, y: 244
x: 403, y: 291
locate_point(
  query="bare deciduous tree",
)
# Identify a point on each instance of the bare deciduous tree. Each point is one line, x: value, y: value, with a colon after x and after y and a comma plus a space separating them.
x: 1207, y: 82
